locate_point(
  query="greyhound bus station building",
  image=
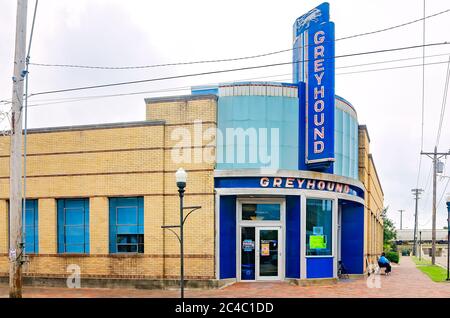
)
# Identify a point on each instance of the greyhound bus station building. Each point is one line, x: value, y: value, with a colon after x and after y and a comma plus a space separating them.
x: 283, y: 173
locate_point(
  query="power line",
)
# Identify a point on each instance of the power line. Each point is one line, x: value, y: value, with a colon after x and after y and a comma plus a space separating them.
x: 440, y: 199
x: 427, y: 183
x: 46, y: 102
x: 444, y: 103
x: 390, y: 61
x: 5, y: 101
x: 32, y: 28
x: 248, y: 79
x: 223, y: 71
x: 389, y: 68
x: 443, y: 192
x: 397, y: 26
x: 423, y: 96
x: 230, y: 59
x: 27, y: 64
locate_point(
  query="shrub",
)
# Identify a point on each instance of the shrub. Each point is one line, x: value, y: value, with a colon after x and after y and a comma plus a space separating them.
x: 393, y: 257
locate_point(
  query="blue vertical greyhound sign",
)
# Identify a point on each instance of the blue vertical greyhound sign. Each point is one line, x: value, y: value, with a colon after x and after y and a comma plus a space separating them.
x: 314, y: 65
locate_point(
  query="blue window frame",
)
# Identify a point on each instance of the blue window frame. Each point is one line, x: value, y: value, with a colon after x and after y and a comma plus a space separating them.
x: 126, y: 225
x: 30, y: 227
x: 73, y: 226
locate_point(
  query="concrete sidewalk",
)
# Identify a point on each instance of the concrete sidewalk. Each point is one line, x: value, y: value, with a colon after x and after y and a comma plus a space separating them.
x: 405, y: 281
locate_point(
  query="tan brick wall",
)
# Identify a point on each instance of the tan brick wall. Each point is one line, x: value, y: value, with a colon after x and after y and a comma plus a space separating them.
x: 374, y: 198
x: 183, y: 111
x: 4, y: 239
x: 47, y: 223
x: 129, y: 266
x: 127, y: 161
x: 99, y: 225
x: 90, y: 140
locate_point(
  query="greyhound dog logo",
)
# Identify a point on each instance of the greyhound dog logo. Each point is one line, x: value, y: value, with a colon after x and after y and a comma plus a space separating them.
x: 312, y: 15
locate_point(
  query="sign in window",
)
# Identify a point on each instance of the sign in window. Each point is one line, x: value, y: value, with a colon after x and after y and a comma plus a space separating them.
x: 319, y: 226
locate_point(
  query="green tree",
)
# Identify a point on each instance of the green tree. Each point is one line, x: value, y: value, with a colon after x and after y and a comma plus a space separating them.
x: 389, y: 231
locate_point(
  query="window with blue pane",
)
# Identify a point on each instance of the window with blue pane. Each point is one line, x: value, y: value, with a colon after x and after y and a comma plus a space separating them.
x: 126, y: 225
x: 319, y: 227
x: 30, y: 227
x: 261, y: 212
x: 73, y: 225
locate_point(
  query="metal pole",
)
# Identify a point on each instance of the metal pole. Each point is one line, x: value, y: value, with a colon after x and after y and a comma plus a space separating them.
x: 401, y: 218
x: 15, y: 184
x: 181, y: 192
x: 420, y: 245
x: 448, y: 239
x: 433, y: 232
x: 434, y: 157
x: 416, y: 193
x: 416, y: 215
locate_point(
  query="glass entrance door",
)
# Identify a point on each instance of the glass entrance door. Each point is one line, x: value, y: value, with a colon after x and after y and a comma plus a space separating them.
x: 248, y: 246
x: 269, y: 253
x: 261, y: 253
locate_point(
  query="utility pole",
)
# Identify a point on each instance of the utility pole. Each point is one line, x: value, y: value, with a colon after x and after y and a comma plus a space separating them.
x: 401, y: 218
x: 435, y: 156
x: 15, y: 183
x: 416, y: 193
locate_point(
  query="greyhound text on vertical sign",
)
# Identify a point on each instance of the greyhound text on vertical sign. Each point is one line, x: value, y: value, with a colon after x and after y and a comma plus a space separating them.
x: 314, y: 65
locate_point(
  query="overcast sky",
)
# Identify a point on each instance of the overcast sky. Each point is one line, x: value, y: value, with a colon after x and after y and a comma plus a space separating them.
x: 133, y: 32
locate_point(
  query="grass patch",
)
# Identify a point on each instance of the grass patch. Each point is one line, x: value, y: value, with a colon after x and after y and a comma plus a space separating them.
x: 435, y: 272
x: 423, y: 261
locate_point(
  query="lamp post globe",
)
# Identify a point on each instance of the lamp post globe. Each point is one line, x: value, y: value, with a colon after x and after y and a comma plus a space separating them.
x: 181, y: 178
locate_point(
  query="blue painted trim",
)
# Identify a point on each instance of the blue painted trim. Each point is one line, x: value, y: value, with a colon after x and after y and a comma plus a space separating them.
x: 206, y: 91
x: 72, y: 203
x: 86, y: 227
x: 352, y: 236
x: 254, y: 182
x: 60, y: 220
x: 33, y: 246
x: 138, y: 228
x: 227, y: 247
x: 293, y: 236
x: 342, y: 99
x: 301, y: 126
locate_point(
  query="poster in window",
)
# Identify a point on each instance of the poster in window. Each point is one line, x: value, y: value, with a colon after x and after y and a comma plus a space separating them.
x: 248, y: 245
x: 318, y: 230
x: 265, y: 250
x: 317, y: 242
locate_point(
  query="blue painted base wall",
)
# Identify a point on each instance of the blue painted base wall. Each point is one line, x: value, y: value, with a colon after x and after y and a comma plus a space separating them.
x: 227, y: 247
x: 293, y: 236
x: 352, y: 237
x: 319, y: 267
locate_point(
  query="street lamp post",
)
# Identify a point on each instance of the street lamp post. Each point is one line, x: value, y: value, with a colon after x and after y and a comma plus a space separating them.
x: 448, y: 238
x: 181, y: 178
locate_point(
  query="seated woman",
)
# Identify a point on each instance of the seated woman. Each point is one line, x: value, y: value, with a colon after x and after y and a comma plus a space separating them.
x: 384, y: 262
